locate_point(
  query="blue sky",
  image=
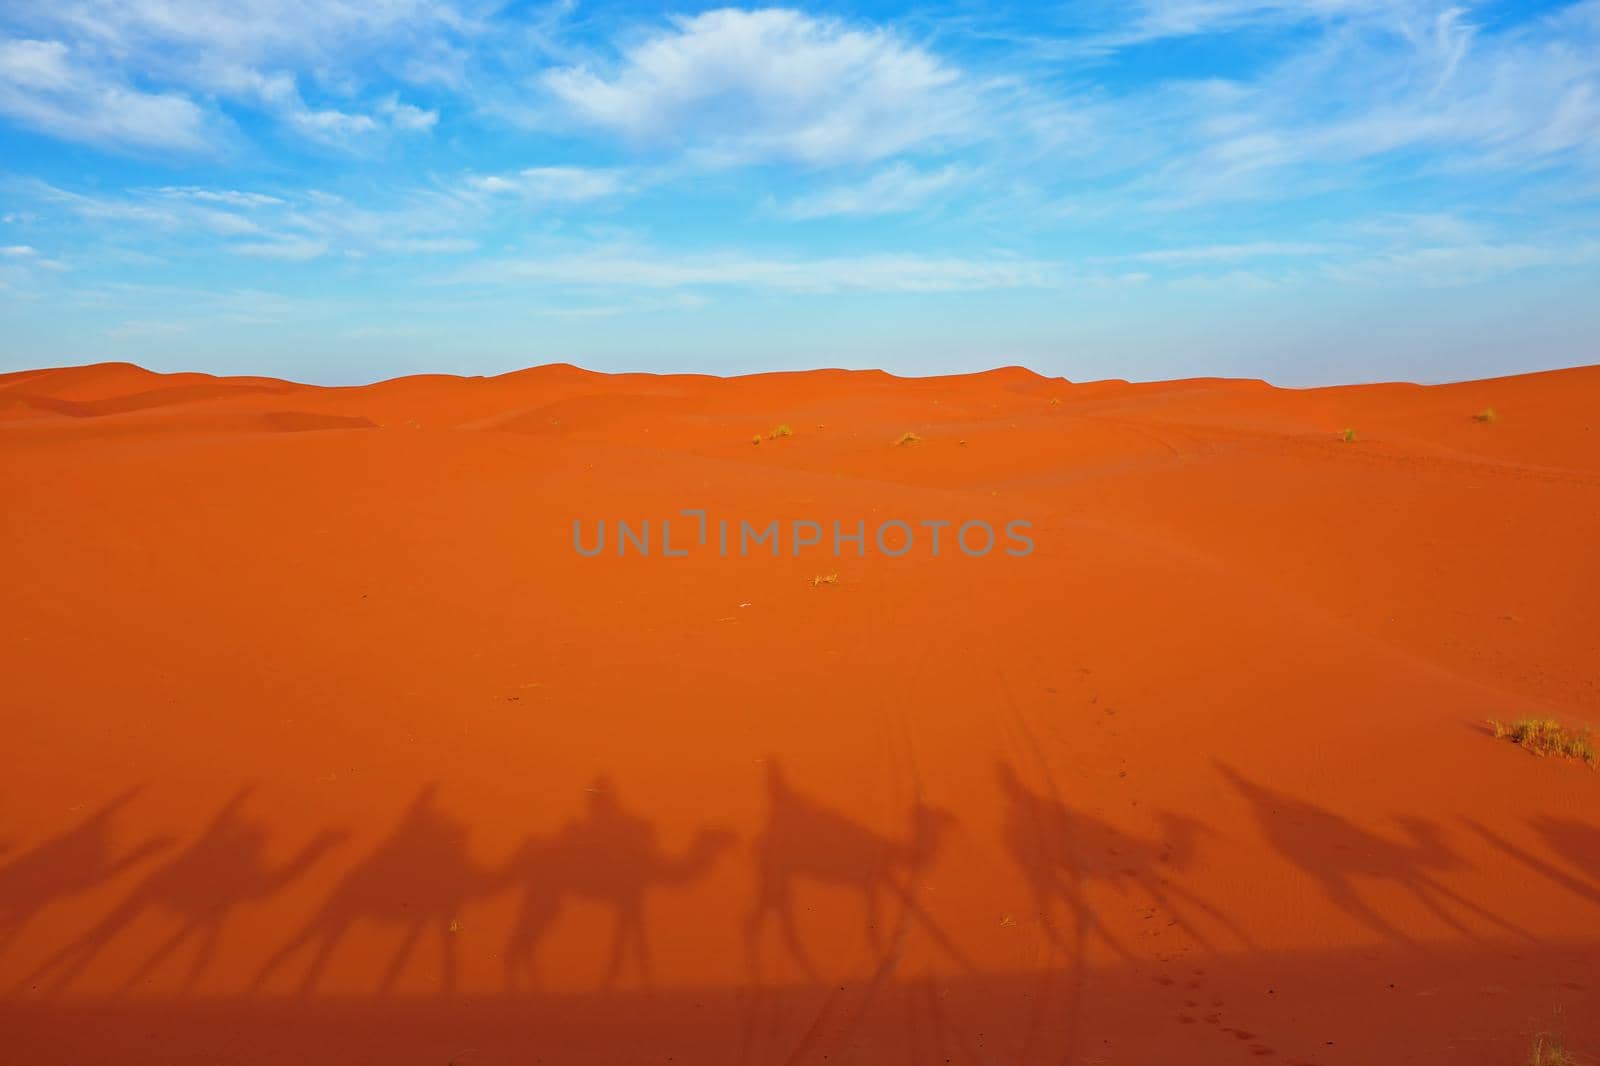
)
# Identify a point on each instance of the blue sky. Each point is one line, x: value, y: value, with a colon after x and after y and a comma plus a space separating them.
x: 344, y: 190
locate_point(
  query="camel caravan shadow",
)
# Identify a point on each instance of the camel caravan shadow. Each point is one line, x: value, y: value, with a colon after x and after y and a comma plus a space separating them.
x: 420, y: 877
x: 414, y: 884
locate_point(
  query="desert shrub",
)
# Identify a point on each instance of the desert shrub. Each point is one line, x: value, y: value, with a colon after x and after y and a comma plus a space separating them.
x: 1546, y: 736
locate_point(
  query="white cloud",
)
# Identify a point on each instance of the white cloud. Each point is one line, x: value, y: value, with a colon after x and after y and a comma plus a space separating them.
x: 427, y: 245
x: 738, y: 86
x: 292, y: 228
x: 331, y: 124
x: 868, y: 273
x: 151, y: 73
x: 555, y: 184
x: 1460, y: 264
x: 230, y: 197
x: 1153, y: 20
x: 294, y: 249
x: 1212, y: 253
x: 895, y: 189
x: 42, y: 87
x: 1415, y: 86
x: 406, y: 117
x: 17, y: 251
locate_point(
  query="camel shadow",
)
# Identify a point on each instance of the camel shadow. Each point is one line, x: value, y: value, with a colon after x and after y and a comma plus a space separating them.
x: 1338, y: 854
x: 1576, y: 843
x: 418, y: 877
x: 74, y: 861
x: 1062, y: 853
x: 805, y: 841
x: 610, y: 856
x: 223, y: 868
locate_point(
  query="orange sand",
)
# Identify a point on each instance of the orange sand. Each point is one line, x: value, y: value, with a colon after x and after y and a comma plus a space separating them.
x: 323, y: 745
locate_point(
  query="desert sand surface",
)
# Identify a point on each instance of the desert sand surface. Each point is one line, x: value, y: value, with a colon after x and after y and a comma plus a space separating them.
x: 323, y: 744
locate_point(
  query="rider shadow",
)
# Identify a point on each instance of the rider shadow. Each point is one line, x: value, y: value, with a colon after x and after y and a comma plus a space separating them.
x: 1061, y: 853
x: 222, y: 869
x: 805, y: 841
x: 1337, y: 854
x: 419, y: 877
x: 610, y: 856
x: 79, y: 859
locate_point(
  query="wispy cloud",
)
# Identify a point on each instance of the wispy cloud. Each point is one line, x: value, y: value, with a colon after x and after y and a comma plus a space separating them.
x: 295, y: 249
x: 289, y: 228
x: 229, y: 197
x: 882, y: 273
x: 1227, y: 253
x: 152, y: 73
x: 44, y: 86
x: 738, y: 86
x: 893, y: 190
x: 555, y: 184
x: 1403, y: 90
x: 1441, y: 265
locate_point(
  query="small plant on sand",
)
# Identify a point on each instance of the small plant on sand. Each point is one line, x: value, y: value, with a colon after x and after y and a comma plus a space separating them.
x: 1486, y: 415
x: 1546, y: 736
x: 781, y: 431
x: 909, y: 438
x: 1549, y: 1049
x: 824, y: 579
x: 1347, y: 434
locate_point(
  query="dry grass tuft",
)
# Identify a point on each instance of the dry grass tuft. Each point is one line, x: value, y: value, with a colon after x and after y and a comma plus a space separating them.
x: 824, y: 579
x: 781, y: 431
x: 1547, y: 1051
x: 1347, y: 435
x: 1548, y: 1047
x: 1486, y: 415
x: 1546, y: 736
x: 909, y: 438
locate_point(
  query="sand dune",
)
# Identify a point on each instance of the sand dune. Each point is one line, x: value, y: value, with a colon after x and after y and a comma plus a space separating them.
x: 325, y: 745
